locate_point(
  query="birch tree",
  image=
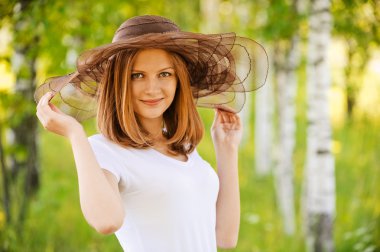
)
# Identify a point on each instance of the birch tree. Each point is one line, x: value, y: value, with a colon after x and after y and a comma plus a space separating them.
x: 22, y: 134
x: 286, y: 92
x: 264, y: 97
x: 285, y: 57
x: 319, y: 187
x: 210, y: 16
x: 264, y: 109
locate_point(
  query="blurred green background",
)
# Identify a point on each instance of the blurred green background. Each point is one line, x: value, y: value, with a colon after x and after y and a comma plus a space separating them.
x: 42, y: 38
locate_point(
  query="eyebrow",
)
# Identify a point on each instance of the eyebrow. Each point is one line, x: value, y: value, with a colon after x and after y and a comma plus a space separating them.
x: 140, y: 71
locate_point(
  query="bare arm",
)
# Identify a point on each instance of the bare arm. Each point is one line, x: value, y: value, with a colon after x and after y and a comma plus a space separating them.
x: 228, y: 203
x: 99, y: 195
x: 226, y: 132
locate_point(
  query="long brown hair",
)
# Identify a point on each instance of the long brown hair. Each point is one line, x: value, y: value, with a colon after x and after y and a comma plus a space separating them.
x: 116, y: 118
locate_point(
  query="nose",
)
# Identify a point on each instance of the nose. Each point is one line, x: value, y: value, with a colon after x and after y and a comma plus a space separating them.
x: 152, y: 85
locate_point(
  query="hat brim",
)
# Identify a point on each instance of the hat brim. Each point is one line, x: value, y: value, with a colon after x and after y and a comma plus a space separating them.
x: 222, y: 68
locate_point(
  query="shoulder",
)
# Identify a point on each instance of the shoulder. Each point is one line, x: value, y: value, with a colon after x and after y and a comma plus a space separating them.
x: 195, y: 156
x: 98, y: 138
x: 100, y: 141
x: 194, y: 153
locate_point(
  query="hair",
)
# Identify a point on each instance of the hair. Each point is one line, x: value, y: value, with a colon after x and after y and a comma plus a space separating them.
x: 116, y: 118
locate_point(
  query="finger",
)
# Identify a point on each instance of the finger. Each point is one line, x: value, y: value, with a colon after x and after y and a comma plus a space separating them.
x: 231, y: 118
x: 56, y: 109
x: 50, y: 96
x: 46, y: 117
x: 43, y: 115
x: 41, y: 118
x: 234, y: 119
x: 227, y: 116
x: 229, y: 126
x: 46, y: 110
x: 42, y: 101
x: 238, y: 121
x: 217, y: 119
x: 45, y: 103
x: 222, y: 115
x: 47, y: 97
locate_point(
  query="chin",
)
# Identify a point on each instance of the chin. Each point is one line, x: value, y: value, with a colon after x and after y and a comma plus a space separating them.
x: 151, y: 114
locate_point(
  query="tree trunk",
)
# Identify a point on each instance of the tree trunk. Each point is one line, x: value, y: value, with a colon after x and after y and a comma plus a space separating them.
x: 287, y: 62
x: 319, y: 187
x: 24, y: 133
x: 351, y: 91
x: 286, y: 93
x: 5, y: 180
x: 210, y: 16
x: 264, y: 109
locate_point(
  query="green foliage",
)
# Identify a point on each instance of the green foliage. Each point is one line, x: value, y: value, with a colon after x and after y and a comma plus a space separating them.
x: 358, y: 204
x: 6, y: 7
x: 287, y: 20
x: 13, y: 108
x: 357, y: 24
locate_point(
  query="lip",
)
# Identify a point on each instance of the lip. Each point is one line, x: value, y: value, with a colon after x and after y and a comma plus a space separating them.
x: 152, y: 102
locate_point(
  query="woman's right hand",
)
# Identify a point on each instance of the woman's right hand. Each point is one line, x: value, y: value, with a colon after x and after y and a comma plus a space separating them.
x: 54, y: 120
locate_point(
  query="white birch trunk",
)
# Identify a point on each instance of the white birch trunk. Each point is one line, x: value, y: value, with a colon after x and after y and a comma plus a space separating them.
x: 287, y: 65
x: 210, y: 16
x: 287, y: 89
x: 241, y: 10
x: 264, y: 109
x: 319, y: 187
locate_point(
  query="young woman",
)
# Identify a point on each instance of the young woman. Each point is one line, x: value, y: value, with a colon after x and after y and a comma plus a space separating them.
x: 141, y: 176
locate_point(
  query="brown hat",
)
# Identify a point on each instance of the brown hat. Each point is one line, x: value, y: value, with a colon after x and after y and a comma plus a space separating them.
x: 222, y: 67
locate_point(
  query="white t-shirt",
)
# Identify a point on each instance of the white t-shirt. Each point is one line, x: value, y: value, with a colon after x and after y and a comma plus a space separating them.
x: 170, y: 205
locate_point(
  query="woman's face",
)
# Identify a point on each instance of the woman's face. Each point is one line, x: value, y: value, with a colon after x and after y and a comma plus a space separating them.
x: 153, y: 82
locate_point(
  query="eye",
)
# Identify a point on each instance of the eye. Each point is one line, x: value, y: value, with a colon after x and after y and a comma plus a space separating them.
x: 165, y: 74
x: 136, y: 76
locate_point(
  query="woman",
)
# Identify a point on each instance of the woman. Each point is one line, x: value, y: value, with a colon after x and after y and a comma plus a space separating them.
x: 141, y: 177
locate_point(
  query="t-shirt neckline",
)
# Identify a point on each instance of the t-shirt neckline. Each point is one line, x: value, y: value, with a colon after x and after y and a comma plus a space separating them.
x: 170, y: 159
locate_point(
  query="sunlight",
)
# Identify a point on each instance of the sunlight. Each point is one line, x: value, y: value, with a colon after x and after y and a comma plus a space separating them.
x: 7, y: 79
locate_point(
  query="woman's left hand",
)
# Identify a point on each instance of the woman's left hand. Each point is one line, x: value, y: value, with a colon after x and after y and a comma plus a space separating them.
x: 226, y: 130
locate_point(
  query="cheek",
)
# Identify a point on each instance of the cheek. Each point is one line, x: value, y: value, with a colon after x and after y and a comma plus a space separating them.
x: 133, y: 95
x: 134, y: 90
x: 172, y: 88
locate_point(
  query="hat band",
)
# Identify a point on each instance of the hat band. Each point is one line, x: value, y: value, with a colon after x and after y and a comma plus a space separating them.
x: 142, y: 29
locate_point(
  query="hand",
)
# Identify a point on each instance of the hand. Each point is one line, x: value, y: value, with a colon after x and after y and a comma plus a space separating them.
x: 54, y: 120
x: 226, y: 130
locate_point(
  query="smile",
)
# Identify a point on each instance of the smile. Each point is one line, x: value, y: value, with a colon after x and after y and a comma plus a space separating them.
x: 152, y: 102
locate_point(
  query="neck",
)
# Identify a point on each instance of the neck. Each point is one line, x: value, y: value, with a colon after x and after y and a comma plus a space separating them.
x: 153, y: 126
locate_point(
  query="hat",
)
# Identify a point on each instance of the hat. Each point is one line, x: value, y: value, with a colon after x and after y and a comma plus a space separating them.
x: 222, y: 67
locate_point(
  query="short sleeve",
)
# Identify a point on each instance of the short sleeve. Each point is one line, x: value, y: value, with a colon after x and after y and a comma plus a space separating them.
x: 106, y: 157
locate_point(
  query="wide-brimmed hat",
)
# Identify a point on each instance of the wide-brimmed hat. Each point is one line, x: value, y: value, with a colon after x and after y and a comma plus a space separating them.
x: 222, y: 67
